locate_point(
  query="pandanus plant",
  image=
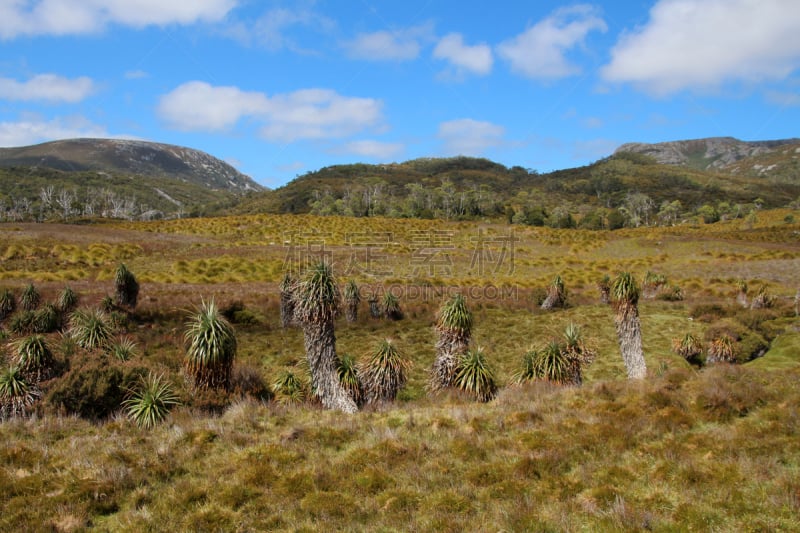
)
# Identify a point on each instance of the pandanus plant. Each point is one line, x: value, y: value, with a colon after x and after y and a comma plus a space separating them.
x: 384, y: 373
x: 8, y: 303
x: 34, y: 358
x: 556, y: 294
x: 352, y: 298
x: 391, y: 307
x: 689, y: 347
x: 721, y: 350
x: 150, y: 402
x: 454, y: 327
x: 316, y: 302
x: 17, y: 395
x: 625, y: 299
x: 475, y: 377
x: 127, y: 288
x: 211, y: 348
x: 604, y: 285
x: 30, y: 298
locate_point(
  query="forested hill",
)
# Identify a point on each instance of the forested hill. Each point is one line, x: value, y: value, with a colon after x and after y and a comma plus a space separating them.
x: 115, y: 178
x: 634, y: 185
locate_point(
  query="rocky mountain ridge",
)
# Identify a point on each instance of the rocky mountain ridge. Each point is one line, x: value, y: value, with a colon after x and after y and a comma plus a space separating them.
x: 712, y: 153
x: 132, y: 157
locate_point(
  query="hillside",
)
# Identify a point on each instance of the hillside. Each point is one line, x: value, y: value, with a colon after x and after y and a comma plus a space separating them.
x: 153, y: 179
x: 713, y: 153
x: 468, y: 188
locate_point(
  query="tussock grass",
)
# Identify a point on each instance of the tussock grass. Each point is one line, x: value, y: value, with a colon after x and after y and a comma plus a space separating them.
x: 711, y: 448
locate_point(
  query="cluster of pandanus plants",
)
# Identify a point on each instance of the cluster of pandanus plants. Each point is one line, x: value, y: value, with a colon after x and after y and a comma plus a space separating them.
x: 32, y: 360
x: 311, y: 302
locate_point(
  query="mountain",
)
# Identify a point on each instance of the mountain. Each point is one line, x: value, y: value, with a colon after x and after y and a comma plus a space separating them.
x: 713, y: 153
x: 125, y: 157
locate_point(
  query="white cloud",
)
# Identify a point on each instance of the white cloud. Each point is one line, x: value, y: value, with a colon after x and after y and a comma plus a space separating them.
x: 270, y: 30
x: 397, y: 45
x: 46, y: 87
x: 136, y: 75
x: 198, y: 106
x: 540, y: 51
x: 469, y: 137
x: 700, y: 44
x: 70, y: 17
x: 33, y: 129
x: 374, y: 149
x: 302, y: 114
x: 476, y: 59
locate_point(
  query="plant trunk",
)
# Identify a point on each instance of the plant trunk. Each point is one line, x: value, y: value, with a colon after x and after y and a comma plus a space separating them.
x: 605, y: 295
x: 287, y: 309
x: 554, y: 299
x: 741, y: 298
x: 629, y: 334
x: 320, y: 342
x: 449, y: 349
x: 374, y: 310
x: 351, y: 311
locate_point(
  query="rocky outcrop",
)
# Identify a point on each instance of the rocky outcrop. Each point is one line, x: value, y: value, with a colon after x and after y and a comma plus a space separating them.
x: 713, y: 153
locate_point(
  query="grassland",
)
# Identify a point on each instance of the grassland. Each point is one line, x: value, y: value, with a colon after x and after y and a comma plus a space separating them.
x: 688, y: 449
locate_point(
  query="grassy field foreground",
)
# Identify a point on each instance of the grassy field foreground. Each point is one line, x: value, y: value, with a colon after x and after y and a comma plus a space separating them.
x: 716, y: 448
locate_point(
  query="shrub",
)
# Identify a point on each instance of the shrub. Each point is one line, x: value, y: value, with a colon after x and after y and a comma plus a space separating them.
x: 95, y: 388
x: 150, y: 402
x: 211, y: 348
x: 17, y: 395
x: 475, y: 377
x: 30, y: 298
x: 247, y: 380
x: 721, y: 350
x: 384, y: 373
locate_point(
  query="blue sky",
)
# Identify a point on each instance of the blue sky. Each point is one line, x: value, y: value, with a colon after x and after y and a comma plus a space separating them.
x: 282, y: 88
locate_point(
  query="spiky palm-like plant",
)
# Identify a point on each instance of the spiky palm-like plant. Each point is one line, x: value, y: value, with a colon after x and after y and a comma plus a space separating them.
x: 211, y: 348
x: 123, y: 348
x: 289, y: 389
x: 741, y: 292
x: 721, y: 350
x: 556, y: 294
x: 90, y: 329
x: 30, y: 298
x: 384, y: 373
x: 287, y: 302
x: 374, y: 308
x: 552, y: 363
x: 34, y: 358
x: 475, y: 377
x: 8, y: 303
x: 652, y: 284
x: 316, y: 302
x: 625, y: 299
x: 689, y: 347
x: 151, y: 401
x: 349, y: 377
x: 17, y: 395
x: 127, y: 288
x: 604, y: 285
x: 67, y: 300
x: 47, y: 319
x: 391, y: 307
x: 454, y: 327
x: 352, y: 298
x: 762, y: 299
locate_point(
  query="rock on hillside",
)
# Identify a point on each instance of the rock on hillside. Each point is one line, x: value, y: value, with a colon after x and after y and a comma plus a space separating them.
x: 714, y: 153
x: 132, y: 157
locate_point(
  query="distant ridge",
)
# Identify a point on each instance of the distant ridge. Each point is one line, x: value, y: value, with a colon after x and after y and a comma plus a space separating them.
x: 155, y: 160
x: 712, y: 153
